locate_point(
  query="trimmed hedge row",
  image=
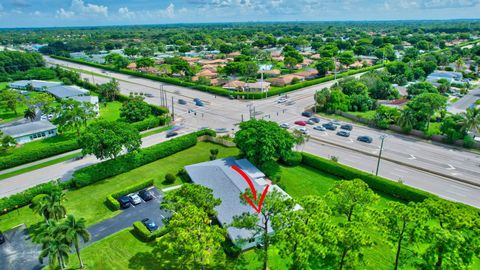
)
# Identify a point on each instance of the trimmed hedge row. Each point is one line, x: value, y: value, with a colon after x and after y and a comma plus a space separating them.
x: 377, y: 183
x: 150, y: 122
x: 24, y: 198
x: 112, y: 201
x: 145, y: 235
x: 293, y: 159
x: 97, y: 172
x: 19, y: 157
x: 218, y: 90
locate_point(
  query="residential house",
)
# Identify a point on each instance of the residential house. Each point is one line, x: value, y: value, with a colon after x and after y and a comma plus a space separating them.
x: 30, y: 131
x: 270, y: 73
x: 66, y: 91
x: 132, y: 66
x: 227, y: 185
x: 285, y: 79
x: 257, y: 87
x: 450, y: 76
x: 90, y: 99
x: 308, y: 74
x: 205, y: 73
x: 315, y: 56
x: 233, y: 54
x: 234, y: 85
x: 36, y: 84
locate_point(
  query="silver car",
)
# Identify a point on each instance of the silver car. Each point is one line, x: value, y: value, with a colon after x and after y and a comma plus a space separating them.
x: 134, y: 199
x: 319, y: 128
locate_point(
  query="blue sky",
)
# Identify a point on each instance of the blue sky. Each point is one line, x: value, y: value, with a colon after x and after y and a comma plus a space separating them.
x: 38, y: 13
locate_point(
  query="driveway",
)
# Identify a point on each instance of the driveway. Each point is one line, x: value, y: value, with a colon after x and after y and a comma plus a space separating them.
x: 465, y: 102
x: 20, y: 253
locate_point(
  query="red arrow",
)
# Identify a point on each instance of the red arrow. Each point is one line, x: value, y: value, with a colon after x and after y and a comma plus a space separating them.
x: 252, y: 188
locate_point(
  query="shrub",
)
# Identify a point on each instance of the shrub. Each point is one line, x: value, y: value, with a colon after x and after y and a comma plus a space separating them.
x: 37, y: 199
x: 170, y: 178
x: 112, y: 202
x: 150, y: 122
x: 292, y: 159
x: 25, y: 197
x: 182, y: 173
x: 270, y: 168
x: 468, y: 141
x: 145, y: 235
x: 377, y: 183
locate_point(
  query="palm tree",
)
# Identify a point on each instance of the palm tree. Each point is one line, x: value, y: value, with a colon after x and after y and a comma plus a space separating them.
x: 407, y: 119
x: 73, y: 229
x: 471, y: 120
x: 459, y: 64
x: 30, y: 114
x: 50, y: 206
x: 56, y: 250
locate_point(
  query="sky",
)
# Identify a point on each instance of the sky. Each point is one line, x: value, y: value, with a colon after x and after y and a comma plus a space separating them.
x: 60, y: 13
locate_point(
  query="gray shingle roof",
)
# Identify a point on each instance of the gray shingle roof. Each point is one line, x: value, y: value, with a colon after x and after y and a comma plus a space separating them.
x: 28, y: 128
x: 65, y: 91
x: 36, y: 84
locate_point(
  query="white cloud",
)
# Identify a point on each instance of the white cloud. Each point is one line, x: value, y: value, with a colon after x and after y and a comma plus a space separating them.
x: 62, y: 13
x: 80, y: 7
x: 168, y: 12
x: 125, y: 13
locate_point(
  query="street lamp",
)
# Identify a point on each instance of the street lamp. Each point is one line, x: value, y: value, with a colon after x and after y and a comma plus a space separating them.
x: 382, y: 137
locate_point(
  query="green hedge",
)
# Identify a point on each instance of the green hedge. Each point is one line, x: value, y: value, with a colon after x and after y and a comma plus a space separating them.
x: 151, y: 122
x: 19, y: 157
x: 218, y: 90
x: 145, y: 235
x: 112, y: 198
x: 293, y: 159
x: 25, y: 197
x: 377, y: 183
x: 130, y: 161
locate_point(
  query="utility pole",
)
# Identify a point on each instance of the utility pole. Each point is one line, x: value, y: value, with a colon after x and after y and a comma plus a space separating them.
x: 382, y: 137
x: 161, y: 95
x: 173, y: 110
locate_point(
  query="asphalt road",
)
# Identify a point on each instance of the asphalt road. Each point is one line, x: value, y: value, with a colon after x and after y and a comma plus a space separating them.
x: 465, y: 102
x: 220, y: 112
x: 19, y: 252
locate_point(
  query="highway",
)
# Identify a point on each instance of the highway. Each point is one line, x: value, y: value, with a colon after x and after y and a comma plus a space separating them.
x: 403, y: 152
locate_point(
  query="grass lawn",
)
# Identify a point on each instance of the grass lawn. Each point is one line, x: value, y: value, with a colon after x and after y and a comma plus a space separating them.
x: 367, y: 115
x: 111, y: 112
x: 6, y: 115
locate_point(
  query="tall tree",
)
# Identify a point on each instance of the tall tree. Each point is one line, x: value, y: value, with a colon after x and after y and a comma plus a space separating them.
x: 72, y: 114
x: 106, y: 139
x: 51, y: 206
x: 471, y: 120
x: 426, y: 105
x: 43, y: 101
x: 351, y: 238
x: 407, y: 119
x: 261, y: 141
x: 109, y: 90
x: 54, y: 245
x: 12, y: 98
x: 325, y: 65
x: 29, y: 114
x: 197, y: 195
x: 135, y: 109
x: 73, y: 230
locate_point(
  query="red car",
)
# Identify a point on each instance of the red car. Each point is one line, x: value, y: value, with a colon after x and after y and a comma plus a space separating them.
x: 301, y: 123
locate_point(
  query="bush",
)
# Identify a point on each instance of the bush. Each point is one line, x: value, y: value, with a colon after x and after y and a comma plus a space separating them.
x: 468, y: 141
x: 37, y: 199
x: 150, y: 122
x: 25, y: 197
x: 144, y: 234
x: 293, y: 159
x: 182, y: 173
x: 112, y: 202
x: 170, y: 178
x: 270, y: 169
x: 130, y: 161
x: 377, y: 183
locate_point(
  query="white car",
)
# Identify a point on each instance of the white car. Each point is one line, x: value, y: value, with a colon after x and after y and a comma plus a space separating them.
x: 134, y: 199
x: 303, y: 130
x: 319, y: 128
x: 285, y: 125
x: 282, y: 100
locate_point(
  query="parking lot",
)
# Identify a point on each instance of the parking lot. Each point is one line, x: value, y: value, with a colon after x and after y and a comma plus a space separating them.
x: 20, y: 253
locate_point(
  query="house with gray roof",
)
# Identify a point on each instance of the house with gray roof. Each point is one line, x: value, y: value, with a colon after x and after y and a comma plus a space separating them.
x: 37, y: 85
x: 89, y: 99
x: 228, y: 185
x: 450, y: 76
x: 66, y: 91
x: 30, y: 131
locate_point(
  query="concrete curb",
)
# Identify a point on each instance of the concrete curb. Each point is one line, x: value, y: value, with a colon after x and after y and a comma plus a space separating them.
x: 401, y: 163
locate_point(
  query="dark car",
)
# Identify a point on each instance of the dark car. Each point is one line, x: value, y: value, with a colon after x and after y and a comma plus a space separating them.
x: 307, y: 114
x: 196, y: 100
x: 329, y: 126
x: 182, y: 102
x: 315, y: 119
x: 366, y: 139
x: 2, y: 238
x: 171, y: 134
x: 149, y: 95
x: 124, y: 202
x: 343, y: 133
x: 150, y: 224
x: 346, y: 127
x: 145, y: 195
x: 199, y: 103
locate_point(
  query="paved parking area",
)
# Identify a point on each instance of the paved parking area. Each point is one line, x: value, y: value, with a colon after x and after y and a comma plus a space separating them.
x: 19, y: 252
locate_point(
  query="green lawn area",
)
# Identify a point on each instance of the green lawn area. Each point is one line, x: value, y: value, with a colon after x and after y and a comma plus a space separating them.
x: 367, y: 115
x: 3, y: 85
x: 7, y: 115
x: 111, y: 112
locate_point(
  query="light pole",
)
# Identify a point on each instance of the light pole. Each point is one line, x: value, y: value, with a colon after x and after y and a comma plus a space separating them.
x: 382, y: 137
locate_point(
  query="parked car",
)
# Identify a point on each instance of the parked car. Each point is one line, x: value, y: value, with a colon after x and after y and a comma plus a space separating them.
x: 2, y: 238
x: 315, y: 119
x: 303, y: 130
x: 171, y: 134
x: 134, y: 199
x: 310, y: 122
x: 329, y: 126
x: 300, y: 123
x: 196, y: 100
x: 150, y: 224
x: 319, y: 128
x: 343, y: 133
x: 336, y: 122
x: 145, y: 195
x: 124, y: 202
x: 182, y: 102
x: 366, y: 139
x: 346, y: 127
x: 307, y: 114
x: 285, y: 125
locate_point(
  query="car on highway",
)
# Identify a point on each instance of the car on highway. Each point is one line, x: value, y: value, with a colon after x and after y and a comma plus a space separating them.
x: 182, y: 102
x: 124, y: 202
x: 145, y: 195
x: 150, y: 224
x: 346, y: 127
x: 199, y: 103
x: 285, y: 125
x: 329, y: 126
x: 196, y: 100
x: 291, y: 102
x: 315, y: 119
x: 300, y: 123
x: 302, y: 130
x: 364, y: 138
x: 134, y: 199
x: 281, y: 100
x: 307, y: 114
x: 171, y: 134
x: 221, y: 130
x: 310, y: 122
x: 149, y: 95
x: 343, y: 133
x: 2, y: 238
x: 319, y: 128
